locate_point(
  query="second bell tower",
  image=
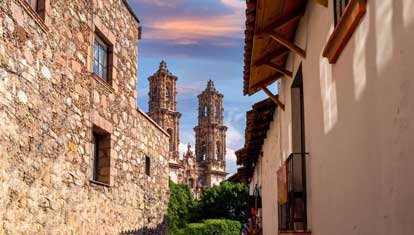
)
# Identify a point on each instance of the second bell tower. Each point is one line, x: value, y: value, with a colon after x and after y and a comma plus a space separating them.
x: 211, y: 136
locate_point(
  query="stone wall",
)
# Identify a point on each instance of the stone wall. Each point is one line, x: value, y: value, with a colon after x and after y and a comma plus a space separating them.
x: 49, y: 102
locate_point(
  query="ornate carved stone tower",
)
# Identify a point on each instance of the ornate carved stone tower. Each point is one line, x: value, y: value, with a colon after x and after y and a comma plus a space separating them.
x: 211, y: 136
x: 163, y: 104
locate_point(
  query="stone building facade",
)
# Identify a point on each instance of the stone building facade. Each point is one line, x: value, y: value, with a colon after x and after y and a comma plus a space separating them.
x: 76, y: 155
x: 207, y: 166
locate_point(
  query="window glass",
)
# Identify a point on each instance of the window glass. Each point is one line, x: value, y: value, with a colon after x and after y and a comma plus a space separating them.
x: 100, y: 58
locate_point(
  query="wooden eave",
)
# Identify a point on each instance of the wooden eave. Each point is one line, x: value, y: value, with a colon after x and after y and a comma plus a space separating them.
x: 269, y: 37
x: 258, y: 121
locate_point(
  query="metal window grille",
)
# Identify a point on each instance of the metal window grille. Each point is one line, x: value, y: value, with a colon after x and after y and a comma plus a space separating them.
x: 292, y: 215
x: 339, y: 8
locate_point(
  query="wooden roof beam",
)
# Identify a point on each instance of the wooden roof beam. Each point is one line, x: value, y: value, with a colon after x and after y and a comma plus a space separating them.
x: 290, y: 45
x: 277, y: 24
x: 275, y: 98
x: 279, y: 69
x: 270, y: 56
x: 267, y: 81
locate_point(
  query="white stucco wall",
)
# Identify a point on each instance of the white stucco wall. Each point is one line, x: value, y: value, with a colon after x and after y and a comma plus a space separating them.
x: 270, y: 162
x: 359, y: 122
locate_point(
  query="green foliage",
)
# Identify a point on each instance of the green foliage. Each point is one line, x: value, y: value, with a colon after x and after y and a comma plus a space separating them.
x: 227, y: 200
x: 220, y: 208
x: 212, y: 227
x: 179, y: 206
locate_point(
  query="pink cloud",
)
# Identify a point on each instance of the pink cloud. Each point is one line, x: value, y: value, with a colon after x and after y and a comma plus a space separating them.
x: 162, y: 3
x: 195, y: 30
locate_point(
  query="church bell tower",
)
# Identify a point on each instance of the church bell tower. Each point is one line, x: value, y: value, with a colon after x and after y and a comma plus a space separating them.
x: 163, y: 107
x: 211, y: 136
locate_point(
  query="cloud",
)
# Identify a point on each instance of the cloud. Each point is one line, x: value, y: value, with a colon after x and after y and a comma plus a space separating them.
x: 162, y: 3
x: 231, y: 166
x: 191, y: 22
x: 211, y: 48
x: 233, y: 136
x: 234, y: 117
x: 182, y: 149
x: 191, y: 89
x: 235, y: 4
x: 194, y: 30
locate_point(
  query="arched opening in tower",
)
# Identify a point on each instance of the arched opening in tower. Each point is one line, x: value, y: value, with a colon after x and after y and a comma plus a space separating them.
x: 203, y: 151
x: 205, y: 111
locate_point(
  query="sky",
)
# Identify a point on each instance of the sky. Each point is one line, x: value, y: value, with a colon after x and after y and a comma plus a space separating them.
x: 199, y: 40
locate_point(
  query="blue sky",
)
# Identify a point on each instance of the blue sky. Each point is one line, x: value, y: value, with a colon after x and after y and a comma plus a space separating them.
x: 199, y: 40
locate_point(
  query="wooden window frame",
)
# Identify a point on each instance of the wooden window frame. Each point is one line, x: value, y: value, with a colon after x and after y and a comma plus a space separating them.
x: 344, y: 29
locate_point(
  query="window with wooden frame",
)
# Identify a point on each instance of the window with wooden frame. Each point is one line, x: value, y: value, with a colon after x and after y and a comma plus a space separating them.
x: 101, y: 156
x: 347, y: 16
x: 102, y: 58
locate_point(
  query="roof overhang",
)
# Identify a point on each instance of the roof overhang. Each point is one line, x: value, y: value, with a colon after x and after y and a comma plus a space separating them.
x: 269, y: 38
x: 258, y: 121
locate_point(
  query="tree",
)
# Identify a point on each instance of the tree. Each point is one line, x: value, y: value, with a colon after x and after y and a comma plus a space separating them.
x: 227, y: 201
x: 179, y: 206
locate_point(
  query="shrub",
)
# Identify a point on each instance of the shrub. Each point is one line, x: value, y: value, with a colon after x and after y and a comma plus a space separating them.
x: 212, y: 227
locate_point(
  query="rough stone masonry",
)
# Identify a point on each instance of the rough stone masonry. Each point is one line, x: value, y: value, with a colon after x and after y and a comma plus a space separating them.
x: 51, y: 104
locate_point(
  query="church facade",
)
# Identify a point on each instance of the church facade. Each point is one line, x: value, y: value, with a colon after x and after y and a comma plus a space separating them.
x: 207, y: 166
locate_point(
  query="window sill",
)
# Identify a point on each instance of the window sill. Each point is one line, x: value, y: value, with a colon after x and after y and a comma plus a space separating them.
x: 344, y: 29
x: 33, y: 14
x: 99, y: 183
x: 102, y: 82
